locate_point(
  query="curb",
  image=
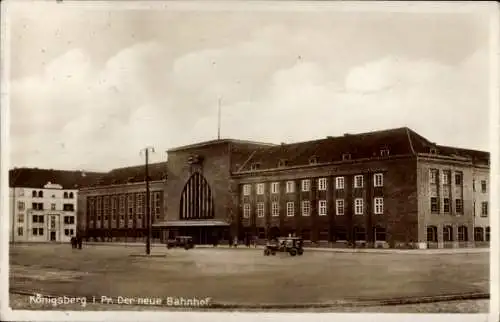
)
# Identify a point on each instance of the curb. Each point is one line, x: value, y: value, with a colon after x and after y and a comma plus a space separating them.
x: 451, y: 251
x: 278, y: 306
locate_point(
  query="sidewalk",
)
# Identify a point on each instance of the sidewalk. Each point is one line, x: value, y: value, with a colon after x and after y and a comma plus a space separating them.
x: 318, y: 249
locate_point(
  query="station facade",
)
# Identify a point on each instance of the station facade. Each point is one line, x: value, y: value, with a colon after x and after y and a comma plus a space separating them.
x: 391, y: 188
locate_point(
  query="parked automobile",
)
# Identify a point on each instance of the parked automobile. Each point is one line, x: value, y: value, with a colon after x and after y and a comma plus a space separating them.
x: 291, y: 245
x: 181, y: 241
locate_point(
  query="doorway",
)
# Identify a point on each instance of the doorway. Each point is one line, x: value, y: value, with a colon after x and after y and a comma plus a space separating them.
x: 52, y: 236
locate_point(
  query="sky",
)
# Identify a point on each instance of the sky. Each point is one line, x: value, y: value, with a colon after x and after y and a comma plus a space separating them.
x: 91, y: 85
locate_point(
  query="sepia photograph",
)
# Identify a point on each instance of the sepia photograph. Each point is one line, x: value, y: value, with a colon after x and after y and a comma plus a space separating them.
x: 277, y: 158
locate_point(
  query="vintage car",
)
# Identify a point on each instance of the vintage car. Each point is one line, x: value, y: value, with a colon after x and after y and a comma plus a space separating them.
x: 291, y: 245
x: 181, y: 241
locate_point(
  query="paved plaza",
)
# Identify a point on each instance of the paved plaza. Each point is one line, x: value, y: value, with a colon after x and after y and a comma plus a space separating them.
x: 243, y: 276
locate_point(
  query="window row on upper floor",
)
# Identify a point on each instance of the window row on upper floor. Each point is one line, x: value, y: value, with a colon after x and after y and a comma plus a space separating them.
x: 21, y: 206
x: 39, y: 194
x: 322, y: 210
x: 446, y: 176
x: 322, y: 184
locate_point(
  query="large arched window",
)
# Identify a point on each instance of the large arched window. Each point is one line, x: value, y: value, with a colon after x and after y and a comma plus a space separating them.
x: 447, y: 233
x: 432, y: 234
x: 196, y: 199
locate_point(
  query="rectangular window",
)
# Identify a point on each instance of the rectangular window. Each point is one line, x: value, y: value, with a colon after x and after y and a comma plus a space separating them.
x: 34, y: 231
x: 139, y: 206
x: 306, y: 208
x: 130, y: 204
x: 40, y: 231
x: 358, y: 206
x: 322, y: 184
x: 458, y: 178
x: 260, y: 189
x: 459, y: 209
x: 378, y: 206
x: 20, y: 205
x: 339, y: 183
x: 275, y: 209
x: 290, y: 209
x: 66, y: 232
x: 114, y: 207
x: 473, y: 185
x: 339, y: 207
x: 434, y: 176
x: 52, y: 206
x: 275, y: 187
x: 434, y: 205
x: 290, y: 187
x: 484, y: 209
x: 246, y: 210
x: 71, y: 207
x: 20, y: 231
x: 157, y: 203
x: 260, y: 209
x: 483, y: 186
x: 306, y: 185
x: 378, y: 180
x: 322, y: 208
x: 246, y: 189
x: 446, y: 177
x: 446, y: 205
x: 358, y: 181
x: 122, y: 204
x: 20, y: 218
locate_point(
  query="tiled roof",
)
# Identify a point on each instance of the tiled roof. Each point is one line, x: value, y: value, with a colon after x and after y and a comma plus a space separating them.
x: 37, y: 178
x: 477, y: 156
x: 399, y: 141
x: 157, y: 171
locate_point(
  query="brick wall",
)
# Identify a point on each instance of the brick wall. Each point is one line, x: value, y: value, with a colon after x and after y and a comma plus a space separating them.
x: 399, y: 193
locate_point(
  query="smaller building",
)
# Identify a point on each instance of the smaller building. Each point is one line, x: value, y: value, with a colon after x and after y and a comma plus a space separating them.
x: 43, y: 204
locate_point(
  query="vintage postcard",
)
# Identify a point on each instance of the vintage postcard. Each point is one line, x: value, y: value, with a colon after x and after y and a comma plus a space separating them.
x: 233, y: 160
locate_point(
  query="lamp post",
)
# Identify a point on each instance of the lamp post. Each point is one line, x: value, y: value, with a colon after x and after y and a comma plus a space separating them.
x: 146, y: 151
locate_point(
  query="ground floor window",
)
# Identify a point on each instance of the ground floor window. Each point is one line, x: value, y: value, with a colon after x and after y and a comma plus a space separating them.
x: 324, y: 234
x: 261, y: 233
x: 379, y: 233
x: 479, y: 234
x: 447, y: 233
x: 432, y: 234
x: 462, y: 233
x: 359, y: 233
x: 340, y: 234
x: 306, y: 234
x: 487, y: 234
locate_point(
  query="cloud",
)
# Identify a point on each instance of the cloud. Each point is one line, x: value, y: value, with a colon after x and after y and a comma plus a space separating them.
x: 277, y: 85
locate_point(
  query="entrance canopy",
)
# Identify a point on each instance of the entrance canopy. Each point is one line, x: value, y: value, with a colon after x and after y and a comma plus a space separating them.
x: 190, y: 223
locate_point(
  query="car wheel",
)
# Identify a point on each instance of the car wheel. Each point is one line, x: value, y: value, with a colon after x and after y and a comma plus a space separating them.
x: 293, y: 252
x: 273, y: 253
x: 266, y: 252
x: 300, y: 252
